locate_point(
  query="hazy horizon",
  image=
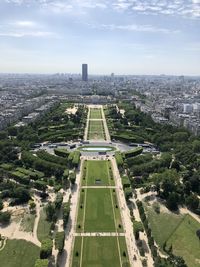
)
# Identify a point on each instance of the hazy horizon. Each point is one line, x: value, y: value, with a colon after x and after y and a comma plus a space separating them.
x: 126, y: 37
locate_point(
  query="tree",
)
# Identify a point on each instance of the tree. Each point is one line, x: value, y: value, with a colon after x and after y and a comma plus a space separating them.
x: 72, y: 177
x: 1, y: 204
x: 41, y: 263
x: 12, y: 131
x: 181, y: 136
x: 32, y: 205
x: 172, y: 201
x: 22, y: 194
x: 50, y: 211
x: 5, y: 217
x: 176, y: 165
x: 3, y: 135
x: 196, y: 146
x: 60, y: 241
x: 192, y: 202
x: 46, y: 248
x: 137, y: 227
x: 177, y: 261
x: 198, y: 233
x: 66, y: 211
x: 58, y: 201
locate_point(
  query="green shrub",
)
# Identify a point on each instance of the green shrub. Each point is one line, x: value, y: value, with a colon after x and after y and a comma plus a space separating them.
x: 46, y: 248
x: 60, y: 241
x: 41, y: 263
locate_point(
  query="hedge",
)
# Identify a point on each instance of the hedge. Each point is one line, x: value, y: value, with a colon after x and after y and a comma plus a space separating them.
x: 133, y: 152
x: 41, y: 263
x: 46, y: 248
x: 66, y: 211
x: 60, y: 241
x: 51, y: 158
x: 119, y: 158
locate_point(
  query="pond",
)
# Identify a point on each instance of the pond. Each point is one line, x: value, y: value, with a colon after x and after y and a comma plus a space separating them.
x: 93, y: 149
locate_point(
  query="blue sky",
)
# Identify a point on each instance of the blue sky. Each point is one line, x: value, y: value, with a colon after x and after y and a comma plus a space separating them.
x: 120, y: 36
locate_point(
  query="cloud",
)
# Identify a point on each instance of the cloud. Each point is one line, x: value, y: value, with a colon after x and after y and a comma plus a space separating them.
x: 24, y: 23
x: 24, y: 28
x: 184, y: 8
x: 21, y: 34
x: 132, y: 27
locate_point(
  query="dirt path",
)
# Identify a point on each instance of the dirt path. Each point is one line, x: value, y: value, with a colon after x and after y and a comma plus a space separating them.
x: 143, y: 236
x: 38, y: 209
x: 12, y: 231
x: 87, y: 125
x: 65, y: 260
x: 107, y: 134
x: 193, y: 215
x: 125, y: 213
x: 59, y: 228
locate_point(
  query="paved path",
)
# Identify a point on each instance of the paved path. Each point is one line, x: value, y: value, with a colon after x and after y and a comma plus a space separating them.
x: 98, y: 234
x: 143, y: 236
x: 59, y: 228
x: 125, y: 214
x: 87, y: 125
x: 65, y: 260
x: 100, y: 186
x: 107, y: 134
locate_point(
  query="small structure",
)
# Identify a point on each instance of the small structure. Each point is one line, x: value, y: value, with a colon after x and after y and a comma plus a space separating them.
x: 98, y: 181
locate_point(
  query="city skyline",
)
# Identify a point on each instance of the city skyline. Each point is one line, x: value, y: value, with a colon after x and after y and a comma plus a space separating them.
x: 120, y: 36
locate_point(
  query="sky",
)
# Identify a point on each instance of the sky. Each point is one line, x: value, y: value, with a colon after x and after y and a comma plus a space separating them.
x: 120, y: 36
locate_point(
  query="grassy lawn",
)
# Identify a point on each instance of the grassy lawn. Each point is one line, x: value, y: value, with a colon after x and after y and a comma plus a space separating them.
x: 164, y: 223
x: 178, y: 231
x: 96, y: 169
x: 185, y: 243
x: 19, y: 253
x: 100, y: 252
x: 43, y: 227
x: 95, y: 113
x: 27, y: 222
x: 96, y: 130
x: 98, y: 211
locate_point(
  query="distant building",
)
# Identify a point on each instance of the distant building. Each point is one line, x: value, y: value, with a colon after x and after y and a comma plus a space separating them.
x: 84, y: 72
x: 187, y: 108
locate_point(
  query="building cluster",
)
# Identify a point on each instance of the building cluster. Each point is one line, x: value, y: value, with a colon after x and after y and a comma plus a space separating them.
x: 168, y: 99
x: 22, y: 106
x: 173, y: 100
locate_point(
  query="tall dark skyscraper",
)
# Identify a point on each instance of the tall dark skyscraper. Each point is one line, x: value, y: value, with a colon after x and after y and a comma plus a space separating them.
x: 84, y: 72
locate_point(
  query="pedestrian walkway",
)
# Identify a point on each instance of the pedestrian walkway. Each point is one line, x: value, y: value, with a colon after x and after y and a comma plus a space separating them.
x: 99, y: 234
x: 99, y: 186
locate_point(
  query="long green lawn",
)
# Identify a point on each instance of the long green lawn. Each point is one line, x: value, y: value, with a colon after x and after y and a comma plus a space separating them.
x: 178, y: 231
x: 100, y: 252
x: 97, y: 173
x: 97, y: 211
x: 163, y: 225
x: 43, y: 229
x: 19, y: 253
x: 95, y: 113
x: 96, y: 130
x: 185, y: 243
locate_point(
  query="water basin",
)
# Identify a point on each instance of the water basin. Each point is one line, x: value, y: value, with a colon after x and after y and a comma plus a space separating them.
x: 101, y: 149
